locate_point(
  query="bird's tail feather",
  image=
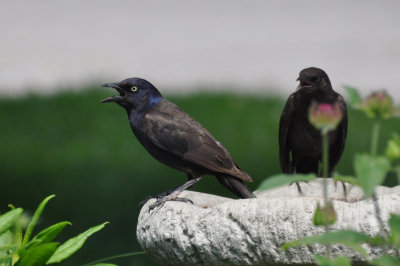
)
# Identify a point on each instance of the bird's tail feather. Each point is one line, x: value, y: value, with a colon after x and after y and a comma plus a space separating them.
x: 237, y: 186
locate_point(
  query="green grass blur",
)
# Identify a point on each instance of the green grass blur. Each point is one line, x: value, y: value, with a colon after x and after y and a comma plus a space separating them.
x: 84, y: 152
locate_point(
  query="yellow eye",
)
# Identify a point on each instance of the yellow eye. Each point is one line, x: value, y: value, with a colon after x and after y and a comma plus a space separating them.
x: 133, y: 89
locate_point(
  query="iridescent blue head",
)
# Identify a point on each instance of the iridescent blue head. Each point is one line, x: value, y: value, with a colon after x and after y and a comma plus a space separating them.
x: 134, y: 93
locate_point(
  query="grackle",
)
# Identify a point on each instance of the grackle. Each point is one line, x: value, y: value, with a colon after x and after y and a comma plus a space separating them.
x: 300, y: 144
x: 174, y: 138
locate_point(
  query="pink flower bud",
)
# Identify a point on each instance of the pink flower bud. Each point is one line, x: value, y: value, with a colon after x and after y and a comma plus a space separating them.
x: 324, y: 116
x: 379, y: 104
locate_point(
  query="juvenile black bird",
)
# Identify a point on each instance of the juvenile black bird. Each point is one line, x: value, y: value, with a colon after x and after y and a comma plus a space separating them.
x: 174, y: 138
x: 300, y: 143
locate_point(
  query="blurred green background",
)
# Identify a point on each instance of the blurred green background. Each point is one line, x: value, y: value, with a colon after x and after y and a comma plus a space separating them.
x: 70, y: 145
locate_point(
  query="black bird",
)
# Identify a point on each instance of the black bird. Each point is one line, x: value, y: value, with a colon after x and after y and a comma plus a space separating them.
x: 300, y: 143
x: 174, y: 138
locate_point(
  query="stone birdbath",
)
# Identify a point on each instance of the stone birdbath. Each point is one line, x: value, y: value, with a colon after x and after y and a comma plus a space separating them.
x: 222, y: 231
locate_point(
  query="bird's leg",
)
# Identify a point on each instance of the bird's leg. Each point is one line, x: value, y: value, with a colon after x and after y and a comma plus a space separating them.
x: 343, y: 184
x: 344, y: 188
x: 173, y: 195
x: 296, y: 182
x: 163, y: 194
x: 299, y: 188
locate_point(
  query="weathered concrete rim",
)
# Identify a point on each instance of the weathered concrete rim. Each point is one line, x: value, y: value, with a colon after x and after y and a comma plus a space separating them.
x: 217, y: 230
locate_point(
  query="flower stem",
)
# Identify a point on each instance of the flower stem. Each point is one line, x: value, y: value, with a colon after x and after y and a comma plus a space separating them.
x: 375, y: 137
x: 384, y: 233
x: 116, y: 257
x: 325, y: 154
x: 325, y: 162
x: 374, y: 150
x: 325, y: 158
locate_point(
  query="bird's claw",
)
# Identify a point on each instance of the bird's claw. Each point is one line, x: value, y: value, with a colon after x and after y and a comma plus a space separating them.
x: 298, y: 186
x: 159, y: 196
x: 344, y: 187
x: 157, y: 204
x: 160, y: 202
x: 184, y: 200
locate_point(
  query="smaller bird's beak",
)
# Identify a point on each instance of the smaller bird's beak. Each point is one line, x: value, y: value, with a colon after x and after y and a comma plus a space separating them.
x: 300, y: 78
x: 113, y: 98
x: 303, y: 82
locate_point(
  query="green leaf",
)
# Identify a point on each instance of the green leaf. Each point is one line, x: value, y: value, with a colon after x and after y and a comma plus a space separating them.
x: 16, y: 229
x: 386, y: 260
x: 355, y: 99
x: 38, y: 256
x: 7, y: 251
x: 6, y: 241
x: 103, y: 264
x: 370, y: 171
x: 350, y: 238
x: 319, y: 215
x: 124, y: 255
x: 50, y: 233
x: 9, y: 247
x: 283, y: 179
x: 397, y: 171
x: 394, y: 224
x: 345, y: 178
x: 338, y: 261
x: 6, y: 260
x: 45, y: 236
x: 377, y: 241
x: 8, y: 219
x: 25, y: 247
x: 35, y: 218
x: 72, y: 245
x: 393, y: 148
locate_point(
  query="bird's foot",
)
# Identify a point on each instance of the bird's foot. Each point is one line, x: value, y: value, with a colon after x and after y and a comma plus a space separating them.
x: 160, y: 201
x: 159, y: 196
x: 344, y: 187
x: 173, y: 194
x: 299, y: 187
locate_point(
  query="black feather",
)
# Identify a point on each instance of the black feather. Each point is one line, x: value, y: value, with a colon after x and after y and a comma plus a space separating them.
x: 174, y: 138
x: 300, y: 143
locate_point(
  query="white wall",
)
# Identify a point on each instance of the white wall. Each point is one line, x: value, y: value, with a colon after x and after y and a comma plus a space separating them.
x: 180, y: 45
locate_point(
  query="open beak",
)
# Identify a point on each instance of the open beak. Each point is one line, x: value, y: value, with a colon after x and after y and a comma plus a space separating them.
x: 115, y: 99
x: 303, y: 82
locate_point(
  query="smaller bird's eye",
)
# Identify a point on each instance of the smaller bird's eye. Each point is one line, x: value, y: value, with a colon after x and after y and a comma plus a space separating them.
x: 133, y: 89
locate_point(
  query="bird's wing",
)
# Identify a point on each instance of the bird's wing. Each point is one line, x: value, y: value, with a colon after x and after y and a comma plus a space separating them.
x: 172, y: 130
x: 337, y: 148
x: 284, y: 125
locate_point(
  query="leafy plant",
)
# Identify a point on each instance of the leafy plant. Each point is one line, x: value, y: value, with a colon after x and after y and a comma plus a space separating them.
x: 325, y: 117
x: 393, y: 153
x: 17, y: 248
x: 393, y: 148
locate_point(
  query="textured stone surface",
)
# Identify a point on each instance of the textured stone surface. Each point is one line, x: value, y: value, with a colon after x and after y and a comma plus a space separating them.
x: 219, y: 231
